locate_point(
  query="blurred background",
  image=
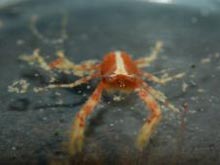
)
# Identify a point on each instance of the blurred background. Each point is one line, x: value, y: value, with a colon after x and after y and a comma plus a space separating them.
x: 34, y: 127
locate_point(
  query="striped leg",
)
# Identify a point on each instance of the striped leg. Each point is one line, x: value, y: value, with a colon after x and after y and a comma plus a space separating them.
x: 146, y: 61
x: 35, y: 57
x: 79, y: 124
x: 62, y: 64
x: 164, y: 79
x: 70, y: 85
x: 148, y: 128
x: 39, y: 35
x: 162, y: 98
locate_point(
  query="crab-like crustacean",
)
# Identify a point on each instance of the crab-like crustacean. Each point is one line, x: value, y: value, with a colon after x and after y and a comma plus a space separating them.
x: 117, y: 71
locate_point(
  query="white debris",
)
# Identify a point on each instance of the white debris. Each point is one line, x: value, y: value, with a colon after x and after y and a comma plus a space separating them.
x: 206, y: 60
x: 19, y: 86
x: 111, y: 125
x: 57, y: 93
x: 217, y: 55
x: 13, y: 148
x: 200, y: 90
x: 117, y: 98
x: 20, y: 42
x: 184, y: 86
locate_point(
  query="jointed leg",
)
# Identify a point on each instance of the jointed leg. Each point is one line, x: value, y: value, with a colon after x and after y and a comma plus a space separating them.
x: 70, y: 85
x: 79, y: 124
x: 148, y: 128
x: 39, y: 35
x: 62, y: 64
x: 146, y: 61
x: 35, y: 57
x: 161, y: 97
x: 164, y: 79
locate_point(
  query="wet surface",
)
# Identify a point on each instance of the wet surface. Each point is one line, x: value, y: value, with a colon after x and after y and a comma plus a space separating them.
x: 34, y: 126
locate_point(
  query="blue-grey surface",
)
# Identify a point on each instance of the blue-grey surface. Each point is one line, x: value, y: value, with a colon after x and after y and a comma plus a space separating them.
x: 4, y: 3
x: 34, y: 125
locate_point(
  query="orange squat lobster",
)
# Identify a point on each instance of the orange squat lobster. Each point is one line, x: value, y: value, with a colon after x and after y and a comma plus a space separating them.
x: 117, y: 72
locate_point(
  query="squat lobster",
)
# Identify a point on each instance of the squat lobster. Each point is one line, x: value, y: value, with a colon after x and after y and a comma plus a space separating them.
x: 118, y: 72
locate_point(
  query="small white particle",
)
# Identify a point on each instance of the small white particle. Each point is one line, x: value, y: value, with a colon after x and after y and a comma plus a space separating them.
x: 111, y: 125
x: 57, y: 93
x: 206, y: 60
x: 59, y: 102
x: 193, y: 98
x: 20, y: 42
x: 13, y: 148
x: 193, y: 111
x: 201, y: 90
x: 84, y: 95
x: 19, y: 86
x: 117, y: 98
x: 44, y: 118
x: 217, y: 55
x: 184, y: 86
x: 36, y: 75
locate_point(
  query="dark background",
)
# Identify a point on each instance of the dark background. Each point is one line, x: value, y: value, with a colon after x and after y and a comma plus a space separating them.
x: 34, y: 126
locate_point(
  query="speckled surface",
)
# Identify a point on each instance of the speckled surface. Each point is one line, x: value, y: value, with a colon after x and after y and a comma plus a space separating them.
x: 33, y: 126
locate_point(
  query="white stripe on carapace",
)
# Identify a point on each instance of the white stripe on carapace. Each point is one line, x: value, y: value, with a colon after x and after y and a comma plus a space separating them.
x: 120, y: 66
